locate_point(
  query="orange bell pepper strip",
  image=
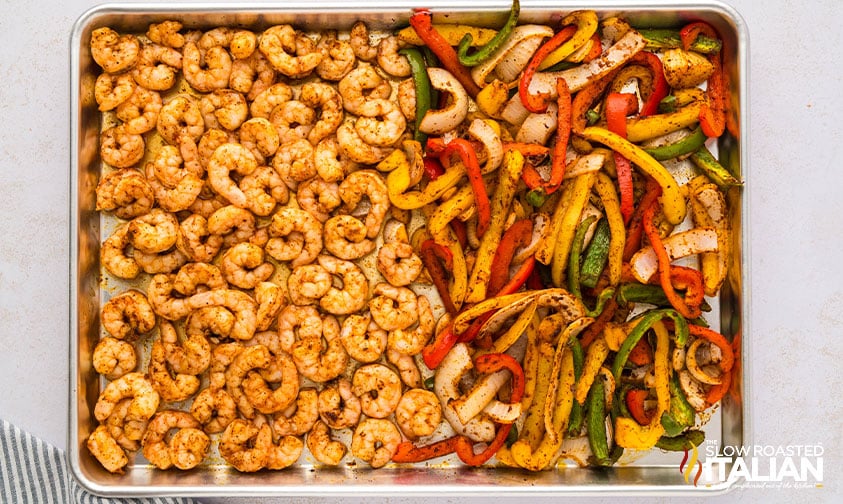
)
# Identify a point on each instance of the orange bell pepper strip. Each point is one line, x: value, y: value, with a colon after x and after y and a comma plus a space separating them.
x: 517, y: 235
x: 407, y: 452
x: 433, y: 255
x: 618, y: 106
x: 537, y: 102
x: 713, y: 111
x: 421, y: 21
x: 660, y: 86
x: 531, y: 176
x: 635, y: 228
x: 586, y: 97
x: 468, y: 156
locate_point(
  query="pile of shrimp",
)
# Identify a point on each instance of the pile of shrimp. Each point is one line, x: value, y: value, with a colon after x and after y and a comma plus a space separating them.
x: 271, y: 300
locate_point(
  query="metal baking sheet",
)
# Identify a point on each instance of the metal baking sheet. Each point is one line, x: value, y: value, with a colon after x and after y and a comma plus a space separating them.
x: 656, y: 473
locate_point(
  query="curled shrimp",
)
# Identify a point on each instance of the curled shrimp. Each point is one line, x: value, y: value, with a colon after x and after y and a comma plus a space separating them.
x: 243, y: 44
x: 297, y: 323
x: 208, y: 71
x: 355, y: 287
x: 332, y: 165
x: 252, y: 76
x: 181, y: 116
x: 273, y: 399
x: 294, y: 162
x: 293, y: 120
x: 337, y: 57
x: 375, y: 440
x: 139, y: 112
x: 308, y: 283
x: 214, y: 409
x: 362, y: 338
x: 132, y: 385
x: 260, y: 137
x: 224, y: 108
x: 209, y: 141
x: 361, y: 85
x: 285, y: 453
x: 230, y: 158
x: 171, y: 386
x: 360, y: 44
x: 398, y: 263
x: 380, y: 123
x: 338, y: 407
x: 295, y: 236
x: 394, y: 307
x: 198, y: 277
x: 238, y: 302
x: 169, y: 168
x: 154, y: 232
x: 127, y: 315
x: 407, y: 99
x: 157, y: 66
x: 235, y: 225
x: 114, y: 358
x: 411, y: 341
x: 115, y: 53
x: 106, y: 450
x: 252, y: 357
x: 164, y: 299
x: 266, y: 101
x: 113, y: 254
x: 221, y: 358
x: 245, y: 446
x: 371, y: 185
x: 193, y: 356
x: 177, y: 198
x: 265, y: 190
x: 210, y: 323
x: 290, y: 53
x: 196, y: 242
x: 111, y: 90
x: 243, y: 266
x: 418, y: 413
x: 321, y: 358
x: 322, y: 447
x: 299, y: 417
x: 270, y: 299
x: 326, y: 99
x: 127, y: 438
x: 318, y: 197
x: 407, y: 368
x: 160, y: 262
x: 345, y: 237
x: 185, y: 451
x: 126, y: 193
x: 379, y: 389
x: 121, y: 149
x: 392, y: 63
x: 354, y: 148
x: 166, y: 33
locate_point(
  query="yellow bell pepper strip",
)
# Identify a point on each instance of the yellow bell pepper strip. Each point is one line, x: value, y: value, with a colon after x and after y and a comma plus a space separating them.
x: 398, y: 181
x: 639, y: 128
x: 532, y: 430
x: 611, y: 207
x: 468, y: 157
x: 553, y: 433
x: 421, y: 82
x: 586, y: 26
x: 482, y: 53
x: 580, y: 190
x: 433, y: 256
x: 530, y: 363
x: 421, y: 22
x: 596, y: 354
x: 507, y: 339
x: 536, y: 102
x: 673, y: 201
x: 492, y: 98
x: 467, y: 315
x: 508, y: 176
x: 452, y: 33
x: 450, y: 209
x: 709, y: 209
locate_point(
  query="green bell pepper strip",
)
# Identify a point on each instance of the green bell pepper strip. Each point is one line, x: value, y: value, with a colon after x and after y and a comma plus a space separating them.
x: 596, y: 421
x: 670, y: 39
x: 681, y: 414
x: 421, y: 81
x: 705, y: 161
x: 602, y: 299
x: 483, y: 53
x: 680, y: 443
x: 642, y: 293
x: 574, y: 257
x: 644, y: 323
x: 576, y: 418
x: 687, y: 145
x: 596, y: 255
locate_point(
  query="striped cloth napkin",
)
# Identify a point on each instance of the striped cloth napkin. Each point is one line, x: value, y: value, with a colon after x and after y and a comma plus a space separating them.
x: 32, y: 471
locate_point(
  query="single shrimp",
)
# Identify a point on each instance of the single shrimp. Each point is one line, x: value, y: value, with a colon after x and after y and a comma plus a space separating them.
x: 260, y: 137
x: 379, y: 389
x: 394, y: 307
x: 318, y: 197
x: 407, y: 99
x: 398, y: 263
x: 127, y: 315
x: 214, y: 409
x: 161, y: 453
x: 126, y: 193
x: 338, y: 407
x: 412, y: 341
x: 266, y: 101
x: 375, y: 440
x: 285, y: 453
x: 345, y: 237
x: 171, y: 386
x: 418, y: 413
x: 252, y: 76
x: 193, y: 356
x: 299, y: 417
x: 321, y: 358
x: 238, y: 302
x: 293, y: 120
x: 324, y: 98
x: 407, y: 368
x: 111, y: 90
x: 116, y: 423
x: 371, y: 185
x: 355, y: 287
x: 354, y: 148
x: 224, y: 108
x: 139, y: 111
x: 132, y: 385
x: 380, y: 123
x: 243, y: 266
x: 243, y: 44
x: 245, y: 446
x: 280, y: 43
x: 113, y: 254
x: 121, y: 149
x: 297, y: 323
x: 210, y: 140
x: 361, y: 85
x: 106, y: 450
x: 175, y: 199
x: 160, y: 262
x: 390, y: 60
x: 115, y: 53
x: 196, y: 242
x: 181, y: 116
x: 188, y: 448
x: 164, y: 299
x: 295, y: 236
x: 206, y: 71
x: 294, y: 162
x: 337, y: 57
x: 234, y: 224
x: 166, y: 33
x: 252, y: 357
x: 154, y: 232
x: 270, y: 299
x: 362, y: 338
x: 114, y: 358
x: 198, y: 277
x: 360, y: 44
x: 332, y: 165
x: 157, y: 66
x: 222, y: 356
x: 272, y: 399
x: 210, y: 323
x: 322, y: 447
x: 308, y: 283
x: 230, y: 158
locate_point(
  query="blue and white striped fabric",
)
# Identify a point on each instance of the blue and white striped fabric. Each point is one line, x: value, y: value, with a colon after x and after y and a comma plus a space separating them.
x: 32, y: 471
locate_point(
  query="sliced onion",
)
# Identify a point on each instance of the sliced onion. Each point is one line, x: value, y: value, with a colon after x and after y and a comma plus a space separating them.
x: 694, y: 391
x: 513, y: 64
x: 514, y: 112
x: 486, y: 134
x: 446, y: 386
x: 439, y: 121
x: 685, y: 243
x: 693, y: 366
x: 586, y: 163
x: 519, y: 35
x: 537, y: 128
x: 481, y: 394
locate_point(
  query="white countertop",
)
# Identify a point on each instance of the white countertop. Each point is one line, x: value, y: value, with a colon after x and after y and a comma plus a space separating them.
x: 796, y: 228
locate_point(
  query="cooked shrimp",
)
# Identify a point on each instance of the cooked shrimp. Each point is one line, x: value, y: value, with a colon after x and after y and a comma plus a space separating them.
x: 381, y: 123
x: 250, y: 358
x: 238, y: 302
x: 166, y: 33
x: 280, y: 43
x: 411, y: 341
x: 106, y: 450
x: 131, y: 385
x: 294, y: 162
x: 114, y: 358
x: 273, y: 399
x: 266, y: 101
x: 214, y: 409
x: 168, y: 166
x: 359, y: 40
x: 209, y: 141
x: 361, y: 85
x: 318, y: 197
x: 111, y: 90
x: 211, y: 323
x: 243, y: 44
x: 407, y: 99
x: 252, y: 76
x: 332, y: 165
x: 139, y: 111
x: 196, y: 242
x: 181, y: 116
x: 127, y: 315
x: 114, y: 52
x: 162, y: 454
x: 188, y: 448
x: 322, y: 447
x: 379, y: 389
x: 260, y: 137
x: 270, y: 299
x: 221, y: 358
x: 245, y: 446
x: 119, y: 148
x: 358, y: 151
x: 208, y: 71
x: 243, y: 266
x: 224, y: 108
x: 392, y: 63
x: 198, y: 277
x: 285, y: 453
x: 113, y: 254
x: 293, y: 120
x: 337, y: 57
x: 398, y: 263
x: 299, y: 417
x: 161, y: 295
x: 394, y: 307
x: 418, y: 413
x: 321, y: 358
x: 326, y: 99
x: 235, y: 225
x: 172, y: 387
x: 362, y: 338
x: 308, y: 283
x: 230, y: 158
x: 193, y: 356
x: 160, y: 262
x: 126, y: 193
x: 295, y: 236
x: 345, y: 237
x: 338, y: 407
x: 157, y: 66
x: 154, y: 232
x: 297, y: 323
x: 355, y: 286
x: 407, y: 368
x: 180, y: 197
x: 127, y: 438
x: 375, y: 440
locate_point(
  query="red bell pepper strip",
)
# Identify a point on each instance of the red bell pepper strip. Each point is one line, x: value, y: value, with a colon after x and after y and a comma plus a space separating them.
x: 468, y: 156
x: 436, y: 350
x: 431, y: 255
x: 520, y: 277
x: 432, y: 167
x: 642, y: 353
x: 618, y: 106
x: 409, y: 453
x: 530, y: 176
x: 517, y: 235
x: 526, y: 149
x: 713, y: 111
x: 460, y: 231
x: 537, y: 103
x: 586, y: 97
x: 421, y: 21
x: 534, y: 281
x: 596, y: 49
x: 635, y: 227
x: 660, y: 86
x: 591, y: 332
x: 635, y: 404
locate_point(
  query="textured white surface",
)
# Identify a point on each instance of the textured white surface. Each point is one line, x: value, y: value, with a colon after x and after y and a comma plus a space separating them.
x: 796, y: 289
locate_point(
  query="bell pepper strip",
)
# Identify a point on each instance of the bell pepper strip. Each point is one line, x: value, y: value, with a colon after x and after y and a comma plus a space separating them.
x: 673, y: 201
x: 660, y: 86
x: 713, y: 111
x: 560, y: 147
x: 642, y: 353
x: 719, y: 391
x: 421, y: 21
x: 432, y: 168
x: 708, y: 164
x: 634, y: 400
x: 639, y: 129
x: 618, y: 106
x: 575, y: 422
x: 532, y: 430
x: 434, y: 352
x: 590, y: 51
x: 523, y: 41
x: 633, y: 292
x: 571, y: 331
x: 492, y: 98
x: 468, y: 156
x: 487, y: 49
x: 452, y: 33
x: 421, y: 82
x: 585, y: 23
x: 595, y: 355
x: 635, y: 227
x: 464, y: 319
x: 708, y: 204
x: 575, y: 256
x: 644, y: 323
x: 681, y: 414
x: 687, y: 145
x: 662, y: 38
x: 727, y: 359
x: 508, y: 338
x: 398, y: 182
x: 465, y: 448
x: 617, y: 234
x: 433, y: 255
x: 596, y: 422
x: 602, y: 301
x: 536, y: 102
x: 508, y: 176
x: 580, y: 191
x: 517, y: 235
x: 586, y: 98
x: 458, y: 267
x: 461, y: 202
x: 458, y: 227
x: 408, y: 453
x: 605, y: 316
x: 520, y: 277
x: 682, y: 442
x: 530, y: 364
x: 527, y: 149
